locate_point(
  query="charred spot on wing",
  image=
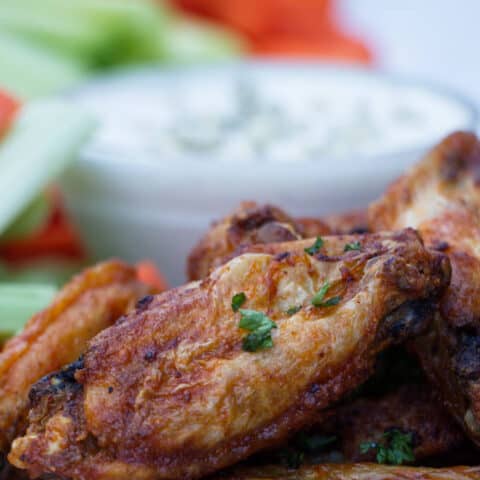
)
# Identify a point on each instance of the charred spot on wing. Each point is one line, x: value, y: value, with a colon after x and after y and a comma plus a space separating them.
x: 440, y: 246
x: 410, y: 276
x: 56, y: 382
x: 282, y: 256
x: 143, y: 303
x: 359, y: 230
x: 408, y: 320
x: 326, y: 258
x: 467, y: 359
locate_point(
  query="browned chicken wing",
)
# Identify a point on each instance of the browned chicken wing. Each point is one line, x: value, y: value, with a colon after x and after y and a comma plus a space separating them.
x: 262, y: 224
x: 56, y: 336
x: 177, y: 389
x: 441, y: 198
x: 362, y: 471
x: 248, y: 224
x: 411, y: 409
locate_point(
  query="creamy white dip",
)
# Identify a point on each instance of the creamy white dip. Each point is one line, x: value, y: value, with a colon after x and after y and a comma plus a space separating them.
x: 271, y: 113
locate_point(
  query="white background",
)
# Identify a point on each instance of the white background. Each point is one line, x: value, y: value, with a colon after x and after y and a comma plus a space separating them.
x: 434, y: 40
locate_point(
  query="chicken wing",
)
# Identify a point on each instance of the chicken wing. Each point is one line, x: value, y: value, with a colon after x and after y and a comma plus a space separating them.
x: 441, y: 198
x: 248, y: 224
x: 55, y: 337
x: 411, y: 409
x: 361, y: 471
x: 176, y: 389
x: 376, y: 410
x: 262, y: 224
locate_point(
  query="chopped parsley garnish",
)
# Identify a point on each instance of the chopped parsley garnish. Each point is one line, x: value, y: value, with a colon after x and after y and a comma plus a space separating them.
x: 315, y: 248
x: 293, y: 310
x: 260, y: 327
x: 238, y: 300
x: 352, y: 246
x: 396, y: 449
x: 318, y: 298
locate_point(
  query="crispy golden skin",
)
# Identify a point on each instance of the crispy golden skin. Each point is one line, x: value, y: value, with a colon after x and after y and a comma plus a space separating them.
x: 253, y: 224
x: 411, y: 409
x: 168, y: 392
x: 248, y: 224
x: 56, y: 336
x: 362, y: 471
x: 441, y: 198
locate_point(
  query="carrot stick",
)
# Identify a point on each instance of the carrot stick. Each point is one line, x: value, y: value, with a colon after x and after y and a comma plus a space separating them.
x: 8, y: 110
x: 148, y: 273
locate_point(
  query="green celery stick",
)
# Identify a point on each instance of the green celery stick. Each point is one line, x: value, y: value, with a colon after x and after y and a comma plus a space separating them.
x: 186, y: 41
x: 42, y: 142
x: 71, y: 36
x: 97, y: 32
x: 18, y: 302
x: 29, y: 221
x: 29, y: 71
x: 50, y: 271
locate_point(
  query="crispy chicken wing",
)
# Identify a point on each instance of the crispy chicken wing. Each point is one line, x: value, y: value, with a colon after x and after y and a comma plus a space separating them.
x: 170, y: 392
x: 441, y: 198
x: 248, y: 224
x: 56, y: 336
x: 361, y: 471
x: 412, y: 409
x: 262, y: 224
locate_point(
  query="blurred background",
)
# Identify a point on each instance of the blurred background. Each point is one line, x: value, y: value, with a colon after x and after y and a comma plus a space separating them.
x: 97, y: 161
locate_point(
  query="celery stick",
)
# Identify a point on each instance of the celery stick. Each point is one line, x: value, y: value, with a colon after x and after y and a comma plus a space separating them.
x: 65, y: 33
x: 99, y: 32
x: 18, y: 302
x: 50, y: 271
x: 28, y: 71
x: 43, y: 141
x: 187, y: 41
x: 30, y: 220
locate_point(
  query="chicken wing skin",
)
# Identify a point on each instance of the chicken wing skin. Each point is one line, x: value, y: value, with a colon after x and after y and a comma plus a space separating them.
x: 361, y: 471
x: 169, y: 393
x: 441, y: 198
x: 412, y: 409
x: 250, y: 223
x: 253, y: 224
x: 56, y: 336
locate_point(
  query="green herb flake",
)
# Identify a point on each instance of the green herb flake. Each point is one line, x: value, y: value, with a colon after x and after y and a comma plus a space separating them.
x: 238, y: 300
x: 352, y: 246
x: 318, y: 298
x: 315, y: 248
x: 260, y: 327
x: 396, y: 448
x: 293, y: 310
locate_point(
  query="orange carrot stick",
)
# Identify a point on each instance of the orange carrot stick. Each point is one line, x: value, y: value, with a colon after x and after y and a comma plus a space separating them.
x: 148, y: 273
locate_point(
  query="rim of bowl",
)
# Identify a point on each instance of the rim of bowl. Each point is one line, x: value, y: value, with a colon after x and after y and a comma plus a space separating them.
x: 311, y: 68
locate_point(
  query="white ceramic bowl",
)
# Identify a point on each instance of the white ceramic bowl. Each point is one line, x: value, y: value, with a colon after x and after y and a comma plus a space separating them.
x: 133, y: 197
